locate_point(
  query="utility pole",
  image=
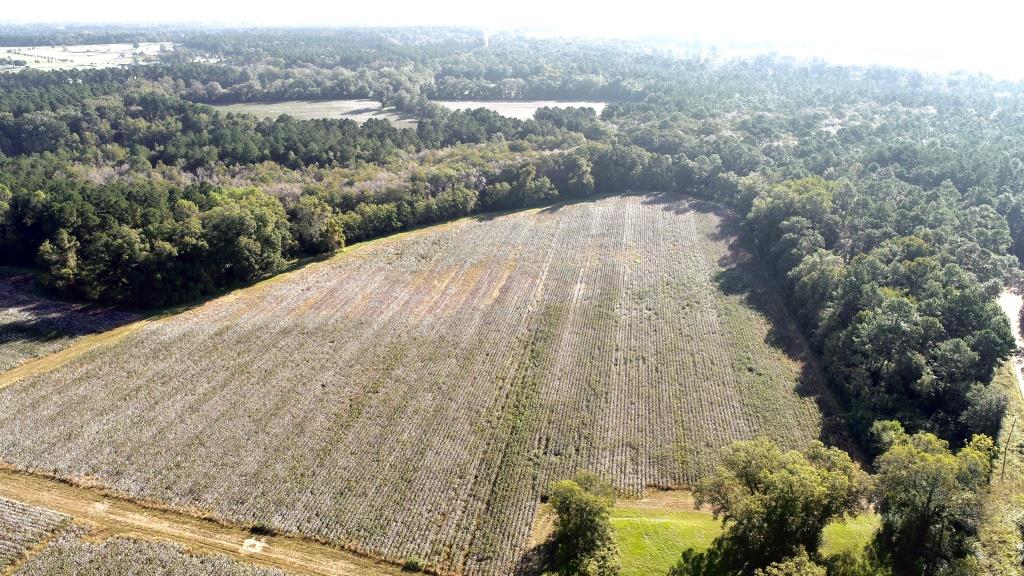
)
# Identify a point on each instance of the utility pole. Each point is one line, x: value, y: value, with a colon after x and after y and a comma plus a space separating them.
x: 1006, y: 447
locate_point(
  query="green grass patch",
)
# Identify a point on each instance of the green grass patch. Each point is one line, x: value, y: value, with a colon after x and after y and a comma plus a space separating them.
x: 651, y: 540
x: 850, y: 536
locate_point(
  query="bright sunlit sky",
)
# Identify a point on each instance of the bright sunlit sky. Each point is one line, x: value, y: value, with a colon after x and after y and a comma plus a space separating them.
x: 977, y: 36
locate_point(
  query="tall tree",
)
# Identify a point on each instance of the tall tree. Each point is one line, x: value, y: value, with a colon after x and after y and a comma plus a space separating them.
x: 930, y: 498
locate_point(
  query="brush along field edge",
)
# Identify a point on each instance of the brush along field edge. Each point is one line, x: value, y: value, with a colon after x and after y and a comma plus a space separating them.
x: 414, y: 400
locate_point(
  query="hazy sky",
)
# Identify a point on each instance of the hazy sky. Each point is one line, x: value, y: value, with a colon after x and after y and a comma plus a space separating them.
x: 980, y: 35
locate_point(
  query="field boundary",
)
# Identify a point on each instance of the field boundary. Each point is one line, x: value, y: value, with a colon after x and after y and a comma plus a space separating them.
x: 81, y: 346
x: 90, y: 342
x: 112, y: 516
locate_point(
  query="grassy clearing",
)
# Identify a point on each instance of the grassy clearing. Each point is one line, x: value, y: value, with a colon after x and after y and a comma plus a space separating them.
x: 415, y: 396
x: 651, y: 539
x: 521, y: 109
x: 358, y: 110
x: 850, y: 536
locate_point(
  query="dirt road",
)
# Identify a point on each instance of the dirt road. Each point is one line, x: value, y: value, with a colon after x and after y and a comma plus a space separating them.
x: 115, y: 517
x: 1011, y: 304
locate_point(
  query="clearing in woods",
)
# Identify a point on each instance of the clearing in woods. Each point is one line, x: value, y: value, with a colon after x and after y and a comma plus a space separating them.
x: 358, y: 110
x: 653, y: 531
x: 414, y: 398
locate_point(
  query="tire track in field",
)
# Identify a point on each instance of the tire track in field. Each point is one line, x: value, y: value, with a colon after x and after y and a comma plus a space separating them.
x: 111, y: 516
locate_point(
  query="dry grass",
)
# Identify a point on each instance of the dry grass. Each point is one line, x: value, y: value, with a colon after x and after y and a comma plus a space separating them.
x: 415, y: 397
x: 1002, y: 551
x: 73, y: 553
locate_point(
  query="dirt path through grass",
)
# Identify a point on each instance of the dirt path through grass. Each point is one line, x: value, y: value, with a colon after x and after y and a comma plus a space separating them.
x: 110, y: 517
x: 1011, y: 303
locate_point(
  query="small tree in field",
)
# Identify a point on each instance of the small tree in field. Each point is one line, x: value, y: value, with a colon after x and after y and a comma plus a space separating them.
x: 582, y: 543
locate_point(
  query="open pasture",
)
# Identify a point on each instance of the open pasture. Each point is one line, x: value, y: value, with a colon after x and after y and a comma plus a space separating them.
x: 519, y: 109
x: 358, y: 110
x: 413, y: 398
x: 652, y: 533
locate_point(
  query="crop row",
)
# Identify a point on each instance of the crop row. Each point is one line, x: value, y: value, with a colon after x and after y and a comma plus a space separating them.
x: 22, y: 527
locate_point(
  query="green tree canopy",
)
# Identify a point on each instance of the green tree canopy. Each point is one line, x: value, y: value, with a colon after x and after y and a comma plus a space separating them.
x: 582, y: 543
x: 930, y: 498
x: 775, y: 502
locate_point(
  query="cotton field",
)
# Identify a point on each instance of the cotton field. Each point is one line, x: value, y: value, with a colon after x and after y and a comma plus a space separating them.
x: 413, y: 398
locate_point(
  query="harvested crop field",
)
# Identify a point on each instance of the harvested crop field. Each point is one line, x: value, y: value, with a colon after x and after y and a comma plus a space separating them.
x: 520, y: 109
x: 358, y: 110
x: 414, y: 397
x: 80, y: 55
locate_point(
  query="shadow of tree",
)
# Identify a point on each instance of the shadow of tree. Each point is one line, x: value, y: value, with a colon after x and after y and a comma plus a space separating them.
x: 724, y: 557
x: 535, y: 562
x: 31, y: 319
x: 728, y: 557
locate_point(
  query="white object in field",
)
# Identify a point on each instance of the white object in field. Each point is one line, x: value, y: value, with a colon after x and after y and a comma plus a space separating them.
x: 252, y: 546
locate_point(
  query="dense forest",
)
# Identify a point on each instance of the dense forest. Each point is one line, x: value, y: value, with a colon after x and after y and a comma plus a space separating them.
x: 888, y: 204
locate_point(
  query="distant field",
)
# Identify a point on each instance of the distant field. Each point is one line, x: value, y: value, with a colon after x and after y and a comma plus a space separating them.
x: 80, y: 56
x: 415, y: 397
x: 32, y: 326
x: 358, y: 110
x: 521, y: 109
